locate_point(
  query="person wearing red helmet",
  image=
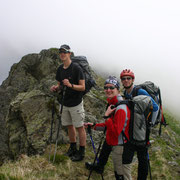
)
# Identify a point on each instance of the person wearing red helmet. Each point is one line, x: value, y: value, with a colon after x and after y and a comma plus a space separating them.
x: 128, y: 75
x: 127, y: 78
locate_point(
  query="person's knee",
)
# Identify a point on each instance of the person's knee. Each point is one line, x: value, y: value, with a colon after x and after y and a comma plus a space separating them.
x: 80, y: 130
x: 70, y: 127
x: 128, y: 154
x: 127, y: 159
x: 142, y: 159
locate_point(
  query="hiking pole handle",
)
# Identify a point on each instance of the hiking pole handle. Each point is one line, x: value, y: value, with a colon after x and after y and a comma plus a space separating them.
x: 89, y: 129
x: 63, y: 94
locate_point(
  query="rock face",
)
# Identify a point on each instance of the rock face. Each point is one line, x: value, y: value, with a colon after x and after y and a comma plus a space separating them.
x: 26, y: 105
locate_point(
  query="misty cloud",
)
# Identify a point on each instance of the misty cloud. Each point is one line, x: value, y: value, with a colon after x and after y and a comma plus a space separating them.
x: 140, y: 35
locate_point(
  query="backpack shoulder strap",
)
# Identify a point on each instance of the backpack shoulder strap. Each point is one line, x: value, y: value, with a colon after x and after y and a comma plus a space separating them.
x: 76, y: 66
x: 128, y: 102
x: 124, y: 136
x: 135, y: 91
x: 82, y: 62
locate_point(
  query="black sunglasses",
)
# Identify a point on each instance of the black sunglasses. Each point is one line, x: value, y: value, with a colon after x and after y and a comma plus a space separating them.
x: 109, y: 87
x: 128, y: 78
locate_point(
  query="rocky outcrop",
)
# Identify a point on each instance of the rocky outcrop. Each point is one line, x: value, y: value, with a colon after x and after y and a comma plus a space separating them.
x: 26, y: 105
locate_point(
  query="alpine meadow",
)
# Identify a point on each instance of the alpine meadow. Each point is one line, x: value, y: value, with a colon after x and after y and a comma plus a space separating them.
x: 26, y: 119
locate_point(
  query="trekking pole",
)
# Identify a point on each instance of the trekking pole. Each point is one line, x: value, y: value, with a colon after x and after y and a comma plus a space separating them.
x: 92, y: 142
x: 149, y: 166
x: 51, y: 131
x: 163, y: 120
x: 97, y: 156
x: 62, y: 103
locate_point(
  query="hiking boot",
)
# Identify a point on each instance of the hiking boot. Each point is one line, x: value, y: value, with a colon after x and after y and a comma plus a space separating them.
x: 79, y: 156
x: 89, y: 165
x: 71, y: 152
x: 118, y: 177
x: 99, y: 169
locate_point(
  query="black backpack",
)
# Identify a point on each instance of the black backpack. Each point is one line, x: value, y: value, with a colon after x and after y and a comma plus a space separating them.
x: 140, y: 120
x: 154, y: 91
x: 83, y: 63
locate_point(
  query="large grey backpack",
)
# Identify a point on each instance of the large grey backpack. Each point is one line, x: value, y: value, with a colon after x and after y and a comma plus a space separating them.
x: 141, y: 111
x: 154, y: 91
x: 83, y: 63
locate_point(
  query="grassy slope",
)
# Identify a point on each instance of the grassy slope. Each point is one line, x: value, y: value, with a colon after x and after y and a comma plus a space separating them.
x: 164, y: 158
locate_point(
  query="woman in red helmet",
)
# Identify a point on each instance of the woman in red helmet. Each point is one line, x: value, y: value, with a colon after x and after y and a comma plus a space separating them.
x: 127, y: 78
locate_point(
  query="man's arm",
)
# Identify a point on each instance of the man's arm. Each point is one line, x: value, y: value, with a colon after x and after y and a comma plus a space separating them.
x: 80, y: 86
x: 76, y: 87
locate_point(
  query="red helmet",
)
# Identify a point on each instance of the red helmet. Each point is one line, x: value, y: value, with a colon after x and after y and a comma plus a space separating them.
x: 127, y: 72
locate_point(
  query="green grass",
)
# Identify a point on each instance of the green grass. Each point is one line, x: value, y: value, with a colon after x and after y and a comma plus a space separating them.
x: 2, y: 176
x: 165, y: 158
x: 59, y: 158
x: 8, y: 177
x: 173, y: 123
x: 163, y: 153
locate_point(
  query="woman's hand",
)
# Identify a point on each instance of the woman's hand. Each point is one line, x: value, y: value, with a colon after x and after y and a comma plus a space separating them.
x: 110, y: 110
x: 88, y: 124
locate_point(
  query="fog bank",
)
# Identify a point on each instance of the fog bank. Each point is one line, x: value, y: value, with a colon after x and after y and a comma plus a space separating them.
x: 114, y: 35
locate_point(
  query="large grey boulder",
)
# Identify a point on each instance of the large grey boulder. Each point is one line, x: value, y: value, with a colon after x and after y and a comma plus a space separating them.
x: 26, y: 104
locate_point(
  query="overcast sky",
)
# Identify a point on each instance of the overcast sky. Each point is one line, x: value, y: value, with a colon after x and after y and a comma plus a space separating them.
x: 143, y: 35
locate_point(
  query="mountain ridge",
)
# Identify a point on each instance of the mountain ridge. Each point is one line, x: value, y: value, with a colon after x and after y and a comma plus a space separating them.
x: 25, y: 118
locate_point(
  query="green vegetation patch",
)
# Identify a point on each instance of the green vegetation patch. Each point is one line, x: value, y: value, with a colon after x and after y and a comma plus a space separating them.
x: 163, y: 153
x: 173, y: 123
x: 8, y: 177
x: 59, y: 158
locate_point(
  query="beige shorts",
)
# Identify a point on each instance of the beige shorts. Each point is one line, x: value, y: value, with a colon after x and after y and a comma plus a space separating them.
x: 73, y: 115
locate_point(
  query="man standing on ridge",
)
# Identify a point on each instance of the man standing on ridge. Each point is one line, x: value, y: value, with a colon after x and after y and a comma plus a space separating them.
x: 71, y: 76
x: 127, y: 78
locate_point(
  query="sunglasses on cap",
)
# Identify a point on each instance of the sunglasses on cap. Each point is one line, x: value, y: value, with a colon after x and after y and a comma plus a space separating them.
x: 109, y: 87
x: 126, y: 78
x: 65, y: 52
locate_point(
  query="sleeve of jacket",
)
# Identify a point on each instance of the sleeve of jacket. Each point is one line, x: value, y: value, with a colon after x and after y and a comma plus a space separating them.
x: 116, y: 124
x: 144, y: 92
x: 100, y: 126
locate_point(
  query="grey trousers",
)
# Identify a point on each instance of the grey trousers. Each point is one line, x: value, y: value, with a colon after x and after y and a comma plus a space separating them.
x: 119, y: 167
